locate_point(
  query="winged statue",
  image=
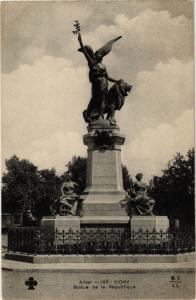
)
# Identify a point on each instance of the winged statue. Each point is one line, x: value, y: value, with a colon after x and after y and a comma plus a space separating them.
x: 102, y: 101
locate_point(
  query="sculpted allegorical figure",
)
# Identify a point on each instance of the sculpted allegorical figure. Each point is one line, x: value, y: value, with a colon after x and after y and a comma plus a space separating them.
x: 68, y: 202
x: 29, y: 219
x: 141, y: 203
x: 101, y: 101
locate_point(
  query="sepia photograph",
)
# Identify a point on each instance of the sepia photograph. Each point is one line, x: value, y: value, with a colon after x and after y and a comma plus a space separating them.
x: 98, y: 159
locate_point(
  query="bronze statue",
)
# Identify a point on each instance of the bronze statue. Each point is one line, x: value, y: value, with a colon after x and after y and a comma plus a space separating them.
x: 140, y: 202
x: 101, y: 101
x: 29, y: 219
x: 67, y: 204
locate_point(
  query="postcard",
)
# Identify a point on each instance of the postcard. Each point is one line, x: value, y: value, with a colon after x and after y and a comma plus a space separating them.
x: 98, y: 149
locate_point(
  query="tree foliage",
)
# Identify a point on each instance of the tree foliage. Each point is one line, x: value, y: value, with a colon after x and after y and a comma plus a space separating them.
x: 77, y: 166
x: 49, y: 187
x: 24, y: 186
x: 20, y: 184
x: 127, y: 181
x: 174, y: 190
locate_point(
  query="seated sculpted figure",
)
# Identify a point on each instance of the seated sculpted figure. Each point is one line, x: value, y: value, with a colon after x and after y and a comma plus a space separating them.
x: 140, y: 202
x: 68, y: 201
x: 29, y: 219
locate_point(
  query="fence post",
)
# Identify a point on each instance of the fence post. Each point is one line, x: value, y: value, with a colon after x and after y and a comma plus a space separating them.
x: 174, y: 235
x: 8, y: 239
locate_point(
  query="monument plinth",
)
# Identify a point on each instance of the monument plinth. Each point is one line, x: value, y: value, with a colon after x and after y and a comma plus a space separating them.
x: 60, y: 223
x: 104, y: 185
x: 150, y: 223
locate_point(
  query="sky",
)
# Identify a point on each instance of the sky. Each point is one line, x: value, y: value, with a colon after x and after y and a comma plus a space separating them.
x: 45, y: 84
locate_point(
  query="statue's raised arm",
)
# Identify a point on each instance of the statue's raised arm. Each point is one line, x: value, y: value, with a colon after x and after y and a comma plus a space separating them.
x: 87, y: 50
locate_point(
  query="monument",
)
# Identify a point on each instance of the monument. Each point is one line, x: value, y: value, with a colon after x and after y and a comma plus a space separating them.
x: 104, y: 202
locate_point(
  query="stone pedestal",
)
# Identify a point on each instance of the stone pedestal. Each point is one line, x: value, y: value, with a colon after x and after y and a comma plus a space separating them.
x: 150, y: 224
x: 56, y: 225
x: 104, y: 193
x: 60, y: 223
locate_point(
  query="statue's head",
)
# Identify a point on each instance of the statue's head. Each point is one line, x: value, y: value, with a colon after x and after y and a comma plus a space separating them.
x: 139, y: 176
x: 28, y: 212
x: 89, y: 50
x: 99, y: 55
x: 68, y: 175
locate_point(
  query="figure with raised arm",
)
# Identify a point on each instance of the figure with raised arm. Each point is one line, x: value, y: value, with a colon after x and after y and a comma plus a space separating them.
x: 98, y: 76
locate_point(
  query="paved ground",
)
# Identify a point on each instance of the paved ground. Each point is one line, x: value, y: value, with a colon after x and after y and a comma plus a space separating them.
x: 99, y: 281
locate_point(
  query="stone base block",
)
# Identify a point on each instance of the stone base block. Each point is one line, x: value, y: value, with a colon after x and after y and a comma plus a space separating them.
x: 149, y: 223
x: 105, y: 222
x: 61, y: 223
x: 114, y: 259
x: 104, y: 208
x: 100, y: 205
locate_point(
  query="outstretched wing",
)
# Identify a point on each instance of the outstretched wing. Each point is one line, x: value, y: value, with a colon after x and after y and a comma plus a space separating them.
x: 108, y: 46
x: 89, y: 50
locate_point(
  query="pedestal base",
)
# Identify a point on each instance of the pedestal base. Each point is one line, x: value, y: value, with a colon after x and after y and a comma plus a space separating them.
x: 60, y: 223
x: 105, y: 205
x: 150, y: 223
x: 74, y: 223
x: 104, y: 191
x: 105, y: 223
x: 145, y: 230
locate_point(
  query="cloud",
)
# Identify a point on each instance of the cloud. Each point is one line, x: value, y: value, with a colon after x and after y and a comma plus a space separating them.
x: 33, y: 29
x: 148, y: 38
x: 44, y: 102
x: 152, y: 31
x: 56, y: 150
x: 154, y: 147
x: 158, y: 97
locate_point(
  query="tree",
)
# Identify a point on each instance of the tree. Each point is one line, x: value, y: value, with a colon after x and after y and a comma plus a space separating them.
x: 49, y: 188
x: 24, y: 186
x: 77, y: 166
x: 20, y: 185
x: 127, y: 181
x: 174, y: 190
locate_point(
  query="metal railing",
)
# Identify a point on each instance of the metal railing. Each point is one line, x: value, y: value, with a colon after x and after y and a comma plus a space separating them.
x: 33, y: 240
